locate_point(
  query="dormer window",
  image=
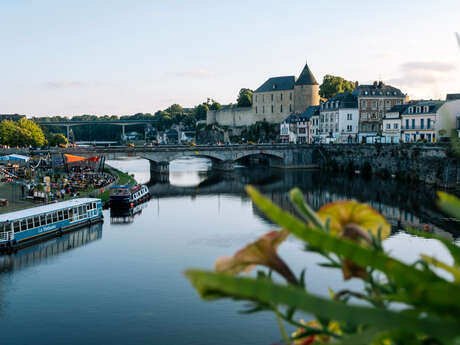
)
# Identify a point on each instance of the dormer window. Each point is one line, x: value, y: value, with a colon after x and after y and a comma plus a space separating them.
x: 426, y: 109
x: 418, y: 109
x: 365, y: 92
x: 411, y: 110
x: 388, y: 93
x: 394, y: 93
x: 373, y: 92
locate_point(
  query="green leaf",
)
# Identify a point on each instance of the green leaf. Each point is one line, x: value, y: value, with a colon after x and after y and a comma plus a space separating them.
x: 422, y: 287
x: 268, y: 292
x: 449, y: 204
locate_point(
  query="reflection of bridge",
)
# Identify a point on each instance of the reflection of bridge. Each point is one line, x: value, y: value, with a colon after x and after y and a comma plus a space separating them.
x: 401, y: 207
x: 122, y: 123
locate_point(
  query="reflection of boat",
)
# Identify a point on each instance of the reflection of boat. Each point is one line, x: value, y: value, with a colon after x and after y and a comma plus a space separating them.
x: 17, y: 229
x: 128, y: 195
x: 42, y: 251
x: 125, y: 215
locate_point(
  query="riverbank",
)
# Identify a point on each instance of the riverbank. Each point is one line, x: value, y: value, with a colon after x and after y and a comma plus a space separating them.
x: 16, y: 202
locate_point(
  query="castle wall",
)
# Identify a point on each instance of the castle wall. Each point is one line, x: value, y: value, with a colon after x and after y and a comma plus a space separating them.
x: 273, y: 106
x: 231, y: 116
x: 305, y: 96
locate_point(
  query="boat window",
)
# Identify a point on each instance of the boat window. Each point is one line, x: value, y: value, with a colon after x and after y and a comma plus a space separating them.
x: 23, y: 225
x: 2, y: 227
x: 16, y: 226
x: 30, y: 223
x: 55, y: 217
x: 60, y: 215
x: 70, y: 213
x: 66, y: 214
x: 43, y: 219
x: 94, y: 205
x: 80, y: 210
x: 36, y: 221
x: 49, y: 219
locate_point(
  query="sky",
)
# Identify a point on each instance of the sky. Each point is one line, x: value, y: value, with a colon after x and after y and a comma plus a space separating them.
x: 123, y: 57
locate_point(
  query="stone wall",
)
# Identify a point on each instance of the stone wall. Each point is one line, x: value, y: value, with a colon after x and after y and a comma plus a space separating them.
x: 231, y: 116
x: 305, y: 96
x: 425, y: 163
x: 273, y: 106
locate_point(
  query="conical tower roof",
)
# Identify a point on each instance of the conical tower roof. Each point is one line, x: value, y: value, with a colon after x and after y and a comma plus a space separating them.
x: 306, y: 77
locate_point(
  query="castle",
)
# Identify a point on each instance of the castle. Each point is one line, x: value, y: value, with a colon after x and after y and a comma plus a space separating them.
x: 273, y: 101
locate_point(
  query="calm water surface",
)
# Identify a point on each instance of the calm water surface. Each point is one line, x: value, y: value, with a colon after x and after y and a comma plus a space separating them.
x: 121, y: 282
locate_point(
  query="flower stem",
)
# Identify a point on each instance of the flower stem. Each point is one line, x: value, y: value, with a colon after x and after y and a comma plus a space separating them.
x: 281, y: 327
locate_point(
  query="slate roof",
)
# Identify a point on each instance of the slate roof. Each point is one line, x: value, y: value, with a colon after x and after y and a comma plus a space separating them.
x: 452, y: 96
x: 306, y: 77
x: 377, y: 90
x: 277, y: 84
x: 292, y: 118
x: 345, y: 99
x: 309, y: 112
x: 398, y: 108
x: 433, y: 107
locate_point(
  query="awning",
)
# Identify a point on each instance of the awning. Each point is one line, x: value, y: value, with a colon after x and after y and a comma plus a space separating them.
x: 73, y: 159
x: 14, y: 157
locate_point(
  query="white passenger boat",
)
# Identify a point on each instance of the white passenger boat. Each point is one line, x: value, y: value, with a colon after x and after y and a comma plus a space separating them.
x: 21, y: 227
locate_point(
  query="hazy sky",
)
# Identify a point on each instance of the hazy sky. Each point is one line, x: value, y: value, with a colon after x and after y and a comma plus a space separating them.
x: 122, y: 57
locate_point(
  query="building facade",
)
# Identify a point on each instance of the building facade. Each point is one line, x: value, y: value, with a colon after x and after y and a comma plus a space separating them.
x: 391, y: 132
x: 373, y: 102
x: 418, y: 121
x: 275, y: 99
x: 339, y: 119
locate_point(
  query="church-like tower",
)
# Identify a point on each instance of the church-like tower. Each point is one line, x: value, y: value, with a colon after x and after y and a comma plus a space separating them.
x: 306, y: 90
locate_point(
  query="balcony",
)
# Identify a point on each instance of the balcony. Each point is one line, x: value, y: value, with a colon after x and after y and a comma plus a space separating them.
x: 417, y: 128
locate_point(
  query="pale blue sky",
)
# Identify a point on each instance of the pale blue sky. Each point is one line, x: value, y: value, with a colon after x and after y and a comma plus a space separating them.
x: 122, y: 57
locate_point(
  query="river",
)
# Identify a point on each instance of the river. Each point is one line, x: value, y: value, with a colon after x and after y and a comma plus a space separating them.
x: 121, y: 282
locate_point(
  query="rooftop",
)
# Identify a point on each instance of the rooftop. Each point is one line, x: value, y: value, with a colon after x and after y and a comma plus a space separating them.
x: 377, y: 89
x: 345, y: 99
x: 433, y: 107
x: 45, y: 208
x: 277, y: 84
x: 306, y: 77
x: 453, y: 96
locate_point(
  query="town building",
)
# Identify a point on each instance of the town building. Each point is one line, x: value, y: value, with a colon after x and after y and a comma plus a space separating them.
x: 273, y: 101
x: 391, y: 132
x: 314, y: 127
x: 418, y: 121
x: 296, y: 128
x: 373, y: 102
x: 339, y: 119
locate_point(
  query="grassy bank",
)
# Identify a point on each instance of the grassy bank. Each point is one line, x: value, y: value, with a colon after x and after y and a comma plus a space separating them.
x: 122, y: 178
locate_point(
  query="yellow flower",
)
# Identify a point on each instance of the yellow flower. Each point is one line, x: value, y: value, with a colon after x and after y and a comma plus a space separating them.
x: 343, y: 213
x: 261, y: 252
x: 333, y: 326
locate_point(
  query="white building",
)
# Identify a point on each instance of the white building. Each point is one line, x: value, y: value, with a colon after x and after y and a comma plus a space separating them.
x: 339, y: 119
x: 419, y: 121
x: 391, y: 132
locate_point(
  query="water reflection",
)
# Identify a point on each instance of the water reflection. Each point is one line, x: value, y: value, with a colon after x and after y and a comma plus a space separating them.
x: 46, y: 250
x: 125, y: 215
x: 402, y: 204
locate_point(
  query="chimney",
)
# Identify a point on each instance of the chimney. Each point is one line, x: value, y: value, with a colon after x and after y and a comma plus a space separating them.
x: 381, y: 84
x: 375, y: 83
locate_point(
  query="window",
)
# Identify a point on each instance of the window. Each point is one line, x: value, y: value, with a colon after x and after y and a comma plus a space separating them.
x: 422, y: 123
x: 66, y: 214
x: 418, y: 109
x: 388, y: 126
x: 290, y: 107
x: 290, y: 96
x: 281, y: 96
x: 272, y: 108
x: 349, y: 117
x: 16, y: 226
x: 388, y: 103
x: 426, y: 109
x: 395, y: 126
x: 36, y: 221
x: 23, y: 225
x: 71, y: 213
x: 349, y: 128
x: 407, y: 124
x: 49, y: 219
x: 60, y: 215
x: 256, y: 109
x: 263, y: 98
x: 55, y: 217
x: 413, y: 123
x: 281, y: 108
x: 30, y: 223
x: 94, y: 205
x: 374, y: 105
x: 263, y: 109
x: 42, y: 219
x: 428, y: 123
x: 80, y: 210
x: 411, y: 110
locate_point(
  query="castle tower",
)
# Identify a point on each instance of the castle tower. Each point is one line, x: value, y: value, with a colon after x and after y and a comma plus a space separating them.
x: 306, y: 90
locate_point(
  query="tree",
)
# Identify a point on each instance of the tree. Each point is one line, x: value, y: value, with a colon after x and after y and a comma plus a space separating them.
x: 200, y: 111
x: 56, y: 139
x: 36, y: 133
x: 245, y: 98
x: 215, y: 106
x: 332, y: 85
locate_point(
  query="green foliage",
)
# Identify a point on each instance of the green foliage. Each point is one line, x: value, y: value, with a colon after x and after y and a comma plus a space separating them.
x: 200, y: 111
x: 263, y: 131
x: 56, y: 139
x: 22, y: 133
x: 244, y: 98
x: 333, y: 85
x: 215, y: 106
x: 429, y: 304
